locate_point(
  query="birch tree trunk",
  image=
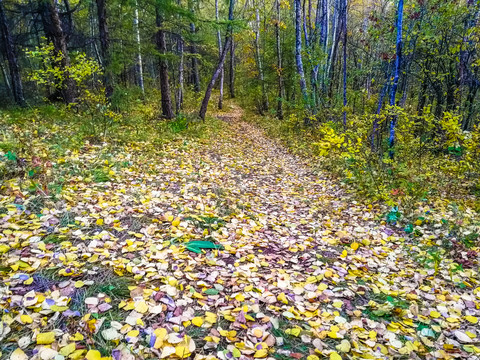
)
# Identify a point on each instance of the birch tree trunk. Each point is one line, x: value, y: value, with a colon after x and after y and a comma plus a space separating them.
x: 281, y: 90
x: 298, y: 50
x: 222, y: 72
x: 264, y: 101
x: 193, y: 51
x: 138, y: 64
x: 231, y: 82
x: 16, y: 80
x: 337, y: 32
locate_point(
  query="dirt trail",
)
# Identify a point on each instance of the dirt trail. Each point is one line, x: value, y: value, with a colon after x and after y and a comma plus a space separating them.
x: 336, y: 264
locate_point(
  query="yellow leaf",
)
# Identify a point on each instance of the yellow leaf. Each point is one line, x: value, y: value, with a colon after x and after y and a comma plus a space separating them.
x: 28, y: 281
x: 176, y: 222
x: 261, y: 353
x: 67, y: 350
x: 77, y: 337
x: 197, y: 295
x: 99, y: 223
x: 322, y: 286
x: 197, y: 321
x: 133, y: 333
x: 281, y: 297
x: 435, y: 314
x: 141, y: 307
x: 182, y: 352
x: 210, y: 317
x: 313, y: 357
x: 240, y: 297
x: 79, y: 284
x: 354, y: 246
x: 328, y: 274
x: 472, y: 319
x: 337, y: 304
x: 334, y: 356
x: 3, y: 249
x: 295, y: 331
x: 93, y: 355
x: 344, y: 253
x: 57, y: 308
x: 77, y: 355
x: 160, y: 333
x: 26, y: 319
x: 18, y: 354
x: 45, y: 338
x: 344, y: 346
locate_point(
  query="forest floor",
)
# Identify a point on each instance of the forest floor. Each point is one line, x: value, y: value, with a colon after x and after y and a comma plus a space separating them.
x: 304, y: 270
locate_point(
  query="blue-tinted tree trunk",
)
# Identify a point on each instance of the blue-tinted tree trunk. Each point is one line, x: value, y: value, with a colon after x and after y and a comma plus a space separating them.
x: 398, y: 62
x: 344, y: 63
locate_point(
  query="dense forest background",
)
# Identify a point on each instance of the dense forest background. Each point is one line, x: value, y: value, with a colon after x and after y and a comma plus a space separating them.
x: 368, y: 83
x: 287, y: 54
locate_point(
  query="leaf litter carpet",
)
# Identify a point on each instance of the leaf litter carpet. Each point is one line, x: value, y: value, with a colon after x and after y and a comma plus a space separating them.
x: 305, y: 272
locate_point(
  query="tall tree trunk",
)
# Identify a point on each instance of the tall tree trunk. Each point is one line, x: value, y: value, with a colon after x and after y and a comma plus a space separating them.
x: 68, y: 28
x: 324, y: 25
x: 93, y: 26
x: 466, y: 125
x: 139, y: 62
x: 167, y: 111
x: 231, y: 82
x: 195, y: 70
x: 222, y: 73
x: 264, y: 101
x: 193, y: 51
x: 5, y: 77
x: 179, y: 102
x: 104, y: 47
x: 379, y: 109
x: 344, y: 63
x: 226, y: 47
x: 16, y: 80
x: 398, y: 62
x: 281, y: 90
x: 422, y: 97
x: 54, y: 32
x: 298, y: 50
x: 332, y: 57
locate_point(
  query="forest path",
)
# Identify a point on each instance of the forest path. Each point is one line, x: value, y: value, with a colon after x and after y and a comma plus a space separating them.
x: 315, y: 254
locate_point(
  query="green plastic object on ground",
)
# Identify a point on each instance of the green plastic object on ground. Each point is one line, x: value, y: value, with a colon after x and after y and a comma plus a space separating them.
x: 197, y: 246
